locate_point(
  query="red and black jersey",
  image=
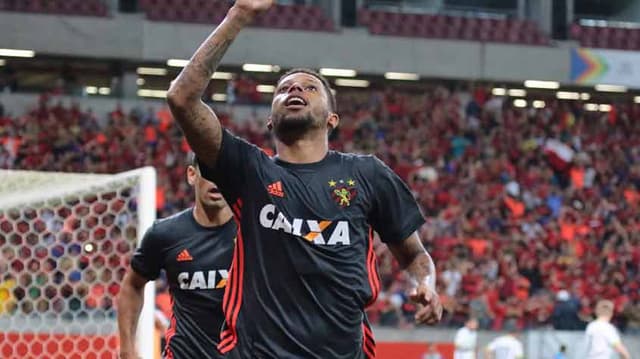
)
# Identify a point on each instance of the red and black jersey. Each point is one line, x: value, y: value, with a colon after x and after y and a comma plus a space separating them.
x: 196, y: 260
x: 304, y: 267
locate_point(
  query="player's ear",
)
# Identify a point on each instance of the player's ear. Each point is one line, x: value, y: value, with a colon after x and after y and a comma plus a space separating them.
x: 192, y: 172
x: 333, y: 121
x: 270, y: 123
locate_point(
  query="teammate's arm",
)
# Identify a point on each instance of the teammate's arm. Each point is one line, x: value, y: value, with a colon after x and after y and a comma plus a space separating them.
x: 622, y: 350
x: 146, y: 264
x: 412, y: 257
x: 130, y: 302
x: 489, y: 350
x: 199, y: 123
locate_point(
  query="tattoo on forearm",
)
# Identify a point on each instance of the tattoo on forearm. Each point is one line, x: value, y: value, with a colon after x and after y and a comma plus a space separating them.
x: 197, y: 74
x: 213, y: 54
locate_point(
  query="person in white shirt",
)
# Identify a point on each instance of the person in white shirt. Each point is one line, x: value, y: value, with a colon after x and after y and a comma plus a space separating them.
x: 452, y: 278
x: 602, y: 338
x: 466, y: 340
x: 433, y: 353
x: 505, y: 347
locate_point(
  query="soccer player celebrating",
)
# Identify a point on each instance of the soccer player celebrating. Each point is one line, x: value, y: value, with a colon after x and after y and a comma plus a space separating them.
x: 603, y: 339
x: 304, y: 268
x: 195, y: 248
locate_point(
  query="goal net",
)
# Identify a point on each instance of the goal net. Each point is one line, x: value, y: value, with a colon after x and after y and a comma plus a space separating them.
x: 66, y: 240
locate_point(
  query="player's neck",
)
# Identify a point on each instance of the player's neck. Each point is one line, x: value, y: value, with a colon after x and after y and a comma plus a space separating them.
x: 211, y: 217
x: 309, y: 149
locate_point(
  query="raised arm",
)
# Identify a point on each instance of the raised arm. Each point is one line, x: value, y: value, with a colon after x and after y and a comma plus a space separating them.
x: 198, y: 122
x: 413, y: 258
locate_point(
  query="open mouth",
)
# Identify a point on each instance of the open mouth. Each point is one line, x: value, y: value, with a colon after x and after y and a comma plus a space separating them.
x: 295, y: 102
x: 214, y: 194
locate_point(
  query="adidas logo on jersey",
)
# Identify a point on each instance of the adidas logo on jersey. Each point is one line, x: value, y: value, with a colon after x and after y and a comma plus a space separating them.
x: 215, y: 279
x: 184, y: 256
x: 311, y: 230
x: 275, y: 189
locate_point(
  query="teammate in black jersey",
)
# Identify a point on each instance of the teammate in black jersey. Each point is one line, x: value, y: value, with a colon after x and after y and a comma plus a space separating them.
x: 195, y: 248
x: 304, y: 268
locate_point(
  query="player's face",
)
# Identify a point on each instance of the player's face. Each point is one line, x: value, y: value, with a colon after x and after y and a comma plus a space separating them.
x: 207, y: 193
x: 300, y: 104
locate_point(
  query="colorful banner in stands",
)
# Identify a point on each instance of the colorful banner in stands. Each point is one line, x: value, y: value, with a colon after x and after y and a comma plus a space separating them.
x: 591, y: 66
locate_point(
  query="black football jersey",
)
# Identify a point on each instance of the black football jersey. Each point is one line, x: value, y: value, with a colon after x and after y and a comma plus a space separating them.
x: 197, y: 261
x: 304, y: 268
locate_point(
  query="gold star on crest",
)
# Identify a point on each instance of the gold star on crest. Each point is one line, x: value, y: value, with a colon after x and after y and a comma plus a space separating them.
x: 351, y: 182
x: 332, y: 183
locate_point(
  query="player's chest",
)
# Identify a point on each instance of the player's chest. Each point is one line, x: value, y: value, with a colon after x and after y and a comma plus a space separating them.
x: 331, y: 193
x: 194, y: 265
x: 323, y: 208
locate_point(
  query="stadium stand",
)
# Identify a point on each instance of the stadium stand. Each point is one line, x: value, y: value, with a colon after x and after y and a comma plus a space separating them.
x: 295, y: 17
x: 440, y: 26
x: 533, y: 214
x: 622, y: 38
x: 58, y: 7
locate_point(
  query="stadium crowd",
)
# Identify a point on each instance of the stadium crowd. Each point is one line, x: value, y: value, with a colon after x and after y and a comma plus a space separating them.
x: 532, y: 214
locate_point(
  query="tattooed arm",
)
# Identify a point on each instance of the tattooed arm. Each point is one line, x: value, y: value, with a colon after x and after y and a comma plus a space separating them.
x: 198, y: 122
x: 418, y: 263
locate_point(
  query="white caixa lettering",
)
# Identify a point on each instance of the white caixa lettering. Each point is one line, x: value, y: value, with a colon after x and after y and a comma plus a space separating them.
x: 310, y: 230
x: 215, y: 279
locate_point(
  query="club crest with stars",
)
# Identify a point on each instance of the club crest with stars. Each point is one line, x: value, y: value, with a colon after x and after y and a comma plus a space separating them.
x: 343, y: 191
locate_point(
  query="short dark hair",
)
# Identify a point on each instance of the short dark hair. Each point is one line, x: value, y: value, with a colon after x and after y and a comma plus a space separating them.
x: 333, y: 107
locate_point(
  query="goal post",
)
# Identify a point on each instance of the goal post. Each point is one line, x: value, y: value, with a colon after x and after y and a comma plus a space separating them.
x: 66, y: 240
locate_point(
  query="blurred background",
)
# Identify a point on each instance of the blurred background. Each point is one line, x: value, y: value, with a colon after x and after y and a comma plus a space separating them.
x: 513, y: 121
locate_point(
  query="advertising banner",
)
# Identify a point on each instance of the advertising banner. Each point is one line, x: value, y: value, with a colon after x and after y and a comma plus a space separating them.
x: 613, y: 67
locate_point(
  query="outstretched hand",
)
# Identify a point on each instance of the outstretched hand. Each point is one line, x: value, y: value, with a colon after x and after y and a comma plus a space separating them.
x: 429, y: 306
x: 253, y: 7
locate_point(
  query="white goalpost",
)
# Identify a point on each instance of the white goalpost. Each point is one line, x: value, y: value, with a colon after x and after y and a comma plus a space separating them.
x: 66, y: 240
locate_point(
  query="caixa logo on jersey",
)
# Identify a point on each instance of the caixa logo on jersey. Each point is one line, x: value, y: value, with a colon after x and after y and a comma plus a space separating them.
x: 213, y: 279
x: 308, y: 229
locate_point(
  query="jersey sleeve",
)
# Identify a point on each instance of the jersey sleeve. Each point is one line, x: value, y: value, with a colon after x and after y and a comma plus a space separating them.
x: 519, y: 351
x: 232, y: 166
x: 147, y: 260
x: 395, y: 214
x: 612, y: 336
x: 458, y: 341
x: 493, y: 345
x: 464, y: 340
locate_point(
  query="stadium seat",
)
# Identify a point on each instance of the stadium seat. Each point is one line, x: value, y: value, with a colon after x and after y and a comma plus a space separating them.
x: 364, y: 17
x: 499, y: 34
x: 575, y: 31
